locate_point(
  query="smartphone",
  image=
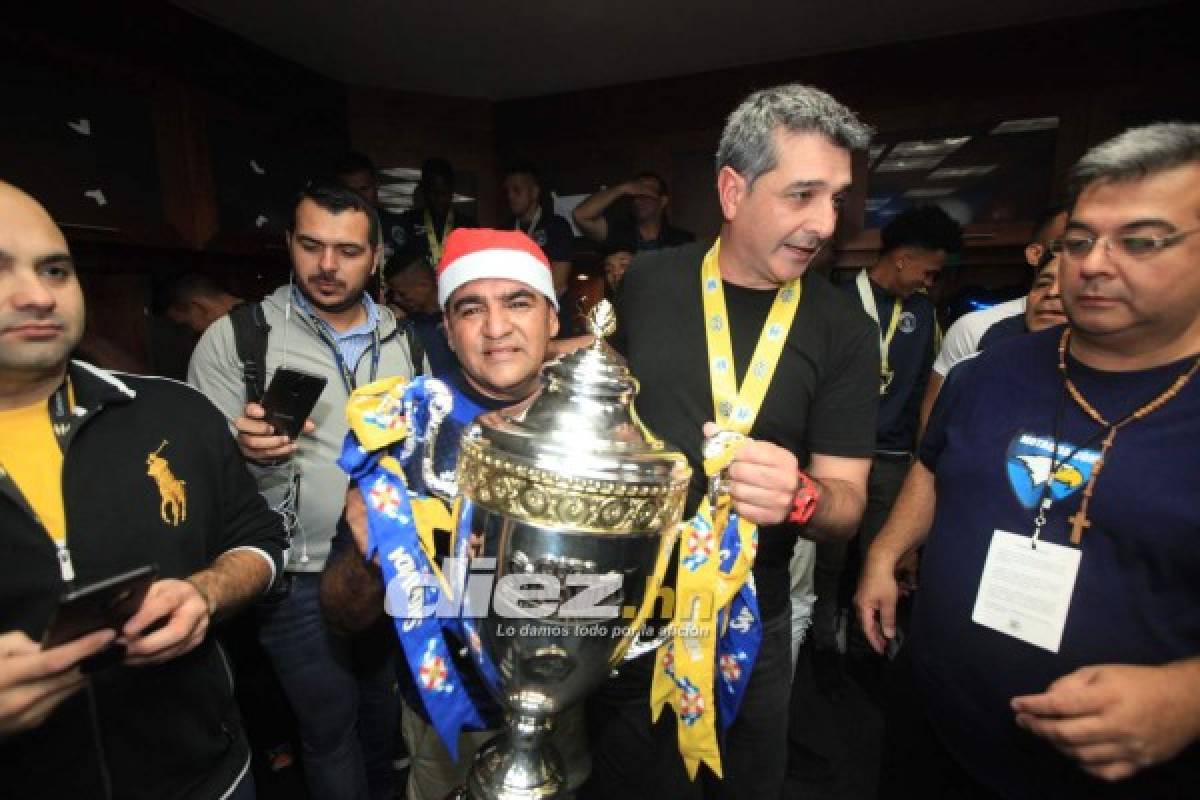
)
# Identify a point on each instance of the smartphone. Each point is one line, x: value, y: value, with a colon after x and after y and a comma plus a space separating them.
x: 105, y: 604
x: 290, y: 399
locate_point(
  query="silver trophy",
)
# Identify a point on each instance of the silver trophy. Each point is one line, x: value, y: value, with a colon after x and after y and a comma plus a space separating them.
x: 579, y: 506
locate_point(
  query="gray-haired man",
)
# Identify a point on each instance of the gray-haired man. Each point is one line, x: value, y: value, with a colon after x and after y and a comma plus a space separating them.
x: 1055, y: 640
x: 783, y: 167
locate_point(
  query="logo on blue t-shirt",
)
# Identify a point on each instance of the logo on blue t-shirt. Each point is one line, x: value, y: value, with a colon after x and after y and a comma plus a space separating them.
x: 1032, y: 463
x: 907, y: 322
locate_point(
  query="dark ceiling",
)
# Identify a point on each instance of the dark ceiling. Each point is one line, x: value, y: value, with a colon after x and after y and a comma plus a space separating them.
x: 480, y: 48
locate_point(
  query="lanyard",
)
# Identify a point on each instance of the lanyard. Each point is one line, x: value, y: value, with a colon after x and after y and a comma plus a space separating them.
x: 348, y: 377
x: 436, y: 243
x: 349, y: 381
x: 736, y: 409
x: 885, y: 340
x: 533, y: 223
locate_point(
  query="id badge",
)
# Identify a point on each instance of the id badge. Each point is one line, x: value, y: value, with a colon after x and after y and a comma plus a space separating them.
x: 1025, y: 591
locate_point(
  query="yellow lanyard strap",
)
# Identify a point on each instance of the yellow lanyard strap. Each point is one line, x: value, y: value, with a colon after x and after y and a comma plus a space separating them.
x: 436, y: 244
x: 684, y: 674
x: 736, y: 409
x: 885, y: 340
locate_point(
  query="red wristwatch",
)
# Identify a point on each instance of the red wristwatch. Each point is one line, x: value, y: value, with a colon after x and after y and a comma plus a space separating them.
x: 804, y: 503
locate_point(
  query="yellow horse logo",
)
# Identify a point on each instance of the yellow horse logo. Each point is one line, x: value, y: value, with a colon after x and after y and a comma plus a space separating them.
x: 173, y: 508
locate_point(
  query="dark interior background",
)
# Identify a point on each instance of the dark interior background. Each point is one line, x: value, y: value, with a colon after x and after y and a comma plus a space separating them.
x: 164, y: 143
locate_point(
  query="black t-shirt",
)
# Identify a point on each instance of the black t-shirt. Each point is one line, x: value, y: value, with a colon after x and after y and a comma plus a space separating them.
x: 910, y: 357
x: 822, y: 398
x: 623, y: 232
x: 409, y: 236
x: 553, y: 234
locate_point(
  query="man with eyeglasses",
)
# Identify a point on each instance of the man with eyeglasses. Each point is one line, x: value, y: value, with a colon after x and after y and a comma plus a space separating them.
x: 1055, y: 643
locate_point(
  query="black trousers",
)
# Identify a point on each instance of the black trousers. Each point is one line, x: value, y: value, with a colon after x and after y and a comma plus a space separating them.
x: 631, y: 758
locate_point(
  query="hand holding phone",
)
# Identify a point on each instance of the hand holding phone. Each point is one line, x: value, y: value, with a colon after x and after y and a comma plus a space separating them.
x: 172, y: 620
x: 109, y: 603
x: 104, y: 605
x: 290, y: 399
x: 34, y: 681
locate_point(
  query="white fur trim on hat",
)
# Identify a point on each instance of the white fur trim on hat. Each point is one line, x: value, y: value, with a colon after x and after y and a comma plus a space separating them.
x: 515, y: 265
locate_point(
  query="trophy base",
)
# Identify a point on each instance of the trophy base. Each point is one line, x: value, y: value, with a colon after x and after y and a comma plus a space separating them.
x: 517, y: 769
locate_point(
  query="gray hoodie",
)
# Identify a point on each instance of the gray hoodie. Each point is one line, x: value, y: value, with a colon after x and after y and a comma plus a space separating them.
x: 216, y: 370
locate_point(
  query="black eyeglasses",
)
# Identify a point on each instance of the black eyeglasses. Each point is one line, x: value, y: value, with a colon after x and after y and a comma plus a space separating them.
x: 1132, y: 246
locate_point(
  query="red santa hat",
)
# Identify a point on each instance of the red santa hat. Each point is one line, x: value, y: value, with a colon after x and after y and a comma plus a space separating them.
x: 474, y: 253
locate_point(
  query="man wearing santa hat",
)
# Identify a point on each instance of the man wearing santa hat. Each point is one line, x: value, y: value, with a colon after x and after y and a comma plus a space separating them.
x: 496, y: 290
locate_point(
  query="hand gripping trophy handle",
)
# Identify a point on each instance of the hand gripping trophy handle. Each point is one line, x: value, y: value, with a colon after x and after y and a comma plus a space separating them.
x: 440, y: 484
x: 574, y: 496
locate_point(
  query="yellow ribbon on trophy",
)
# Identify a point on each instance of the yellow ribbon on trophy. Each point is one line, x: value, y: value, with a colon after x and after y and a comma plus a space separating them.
x: 684, y: 670
x: 377, y: 418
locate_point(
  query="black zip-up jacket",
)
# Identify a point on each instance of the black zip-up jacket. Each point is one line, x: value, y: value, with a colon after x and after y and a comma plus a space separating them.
x: 160, y: 732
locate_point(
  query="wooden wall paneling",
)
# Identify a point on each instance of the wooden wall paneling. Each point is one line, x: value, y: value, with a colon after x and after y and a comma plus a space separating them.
x: 402, y: 129
x: 185, y: 164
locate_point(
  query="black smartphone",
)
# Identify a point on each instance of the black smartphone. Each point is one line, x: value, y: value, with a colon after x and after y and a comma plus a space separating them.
x: 290, y: 398
x: 105, y: 604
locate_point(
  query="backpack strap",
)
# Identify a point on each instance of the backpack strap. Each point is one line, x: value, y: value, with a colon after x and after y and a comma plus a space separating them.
x: 250, y: 331
x: 416, y: 348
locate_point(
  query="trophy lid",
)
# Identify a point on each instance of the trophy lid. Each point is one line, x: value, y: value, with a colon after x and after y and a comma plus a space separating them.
x: 581, y: 439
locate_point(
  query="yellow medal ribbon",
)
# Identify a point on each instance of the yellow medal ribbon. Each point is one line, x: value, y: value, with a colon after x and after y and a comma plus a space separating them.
x: 684, y: 670
x: 867, y: 296
x: 436, y: 244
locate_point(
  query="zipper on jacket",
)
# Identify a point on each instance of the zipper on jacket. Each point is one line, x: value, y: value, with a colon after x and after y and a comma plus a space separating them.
x: 64, y: 562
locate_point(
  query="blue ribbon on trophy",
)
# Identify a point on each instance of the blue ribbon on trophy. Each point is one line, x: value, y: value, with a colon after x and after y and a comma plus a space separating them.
x: 383, y: 414
x: 741, y: 637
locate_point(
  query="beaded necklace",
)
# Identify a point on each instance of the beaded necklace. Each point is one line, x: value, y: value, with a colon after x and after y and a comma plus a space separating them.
x: 1079, y: 521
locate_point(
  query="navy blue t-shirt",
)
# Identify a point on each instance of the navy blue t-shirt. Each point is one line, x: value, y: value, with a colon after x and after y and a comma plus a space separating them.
x: 910, y: 356
x: 1137, y: 595
x: 409, y: 237
x: 1003, y: 329
x: 553, y: 234
x: 431, y: 329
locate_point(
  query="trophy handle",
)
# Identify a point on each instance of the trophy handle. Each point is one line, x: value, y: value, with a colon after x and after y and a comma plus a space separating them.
x: 440, y: 484
x: 647, y: 644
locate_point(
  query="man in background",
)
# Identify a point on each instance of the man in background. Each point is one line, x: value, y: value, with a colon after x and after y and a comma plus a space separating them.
x: 423, y: 230
x: 358, y: 172
x: 196, y: 301
x: 914, y: 248
x: 962, y: 339
x: 645, y: 228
